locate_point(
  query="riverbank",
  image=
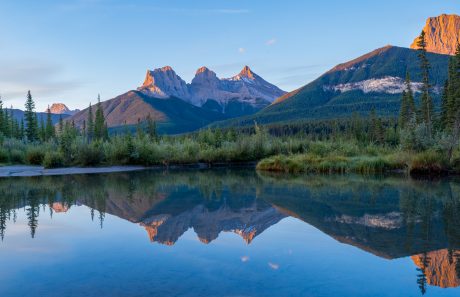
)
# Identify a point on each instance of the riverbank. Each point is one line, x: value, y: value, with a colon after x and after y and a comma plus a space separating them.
x: 27, y: 171
x: 423, y: 163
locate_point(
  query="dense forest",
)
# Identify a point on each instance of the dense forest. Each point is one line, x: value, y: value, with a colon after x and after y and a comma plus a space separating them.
x: 424, y: 139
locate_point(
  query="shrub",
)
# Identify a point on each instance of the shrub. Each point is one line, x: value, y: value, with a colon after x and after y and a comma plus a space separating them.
x: 428, y: 162
x: 17, y: 157
x: 53, y: 160
x: 3, y: 156
x: 35, y: 156
x: 90, y: 155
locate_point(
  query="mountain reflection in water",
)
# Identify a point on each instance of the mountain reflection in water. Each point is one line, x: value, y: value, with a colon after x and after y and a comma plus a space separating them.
x: 389, y: 217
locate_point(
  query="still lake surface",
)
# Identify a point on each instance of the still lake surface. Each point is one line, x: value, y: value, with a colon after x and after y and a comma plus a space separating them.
x: 228, y: 233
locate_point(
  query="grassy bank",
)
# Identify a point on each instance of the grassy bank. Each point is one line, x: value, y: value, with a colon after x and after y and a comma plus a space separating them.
x: 204, y: 147
x: 326, y: 157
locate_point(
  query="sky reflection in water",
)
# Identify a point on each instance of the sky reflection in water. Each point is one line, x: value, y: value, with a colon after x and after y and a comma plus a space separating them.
x: 228, y: 233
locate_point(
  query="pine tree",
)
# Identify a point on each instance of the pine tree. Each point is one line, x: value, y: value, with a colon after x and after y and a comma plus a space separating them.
x: 83, y: 129
x: 90, y: 127
x: 427, y: 107
x: 7, y: 123
x: 151, y: 128
x: 99, y: 121
x: 403, y: 110
x: 22, y: 132
x: 444, y: 116
x: 42, y: 130
x: 14, y: 126
x: 50, y: 132
x: 30, y: 119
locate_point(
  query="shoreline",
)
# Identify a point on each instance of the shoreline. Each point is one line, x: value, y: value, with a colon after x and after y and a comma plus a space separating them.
x: 31, y: 170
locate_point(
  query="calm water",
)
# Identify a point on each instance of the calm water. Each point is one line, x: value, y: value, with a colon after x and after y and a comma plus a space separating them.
x: 228, y: 233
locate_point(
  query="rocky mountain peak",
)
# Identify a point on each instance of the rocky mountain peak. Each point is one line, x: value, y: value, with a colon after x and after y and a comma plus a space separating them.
x: 204, y: 73
x: 246, y: 87
x: 246, y: 72
x: 203, y: 69
x: 60, y: 108
x: 163, y: 83
x: 165, y: 69
x: 442, y: 34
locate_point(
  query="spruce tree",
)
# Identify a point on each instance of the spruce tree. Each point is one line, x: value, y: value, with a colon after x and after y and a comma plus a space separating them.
x: 403, y: 110
x: 99, y: 122
x: 90, y: 126
x: 42, y: 130
x: 151, y: 128
x: 50, y: 131
x: 22, y: 131
x: 30, y: 119
x: 427, y: 107
x: 444, y: 116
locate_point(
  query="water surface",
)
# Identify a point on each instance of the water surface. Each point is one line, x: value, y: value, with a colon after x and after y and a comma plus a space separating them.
x: 228, y: 233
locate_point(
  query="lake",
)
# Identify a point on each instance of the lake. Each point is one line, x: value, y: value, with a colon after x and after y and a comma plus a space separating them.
x: 228, y: 233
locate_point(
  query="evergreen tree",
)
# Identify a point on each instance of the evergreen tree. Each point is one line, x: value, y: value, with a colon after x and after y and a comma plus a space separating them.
x: 106, y: 131
x: 7, y: 123
x: 83, y: 129
x: 444, y: 116
x: 90, y: 127
x: 151, y: 128
x: 139, y: 130
x: 99, y: 122
x: 50, y: 132
x: 22, y: 132
x: 427, y: 107
x: 42, y: 130
x: 31, y: 129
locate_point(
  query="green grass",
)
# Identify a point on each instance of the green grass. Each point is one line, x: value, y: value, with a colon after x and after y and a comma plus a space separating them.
x: 332, y: 158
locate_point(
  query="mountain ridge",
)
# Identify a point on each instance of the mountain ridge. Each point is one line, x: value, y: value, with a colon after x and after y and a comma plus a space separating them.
x: 246, y: 87
x: 373, y: 80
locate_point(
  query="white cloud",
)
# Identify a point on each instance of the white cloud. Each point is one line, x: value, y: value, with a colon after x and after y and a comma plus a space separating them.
x: 271, y: 42
x: 43, y: 79
x: 245, y: 259
x: 241, y: 50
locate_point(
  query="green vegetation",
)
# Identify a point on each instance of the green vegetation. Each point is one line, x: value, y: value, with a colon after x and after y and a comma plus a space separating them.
x: 428, y: 142
x: 422, y: 140
x: 316, y: 101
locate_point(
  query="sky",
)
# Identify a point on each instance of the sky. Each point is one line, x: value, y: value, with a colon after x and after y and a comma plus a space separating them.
x: 71, y: 51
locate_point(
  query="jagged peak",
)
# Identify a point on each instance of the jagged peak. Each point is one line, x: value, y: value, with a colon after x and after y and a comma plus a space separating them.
x: 247, y: 72
x: 165, y: 69
x: 203, y: 70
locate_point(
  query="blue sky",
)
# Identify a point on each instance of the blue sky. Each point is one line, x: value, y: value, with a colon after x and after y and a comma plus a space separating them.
x: 69, y: 51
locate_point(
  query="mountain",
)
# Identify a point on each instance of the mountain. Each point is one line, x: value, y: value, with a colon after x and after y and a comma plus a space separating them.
x: 374, y: 80
x: 178, y: 107
x: 173, y: 115
x: 442, y: 34
x: 61, y: 108
x: 242, y: 94
x: 19, y: 115
x: 441, y: 267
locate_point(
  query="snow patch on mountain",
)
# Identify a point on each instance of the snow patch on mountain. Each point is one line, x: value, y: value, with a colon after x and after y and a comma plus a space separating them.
x: 387, y: 85
x: 389, y: 221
